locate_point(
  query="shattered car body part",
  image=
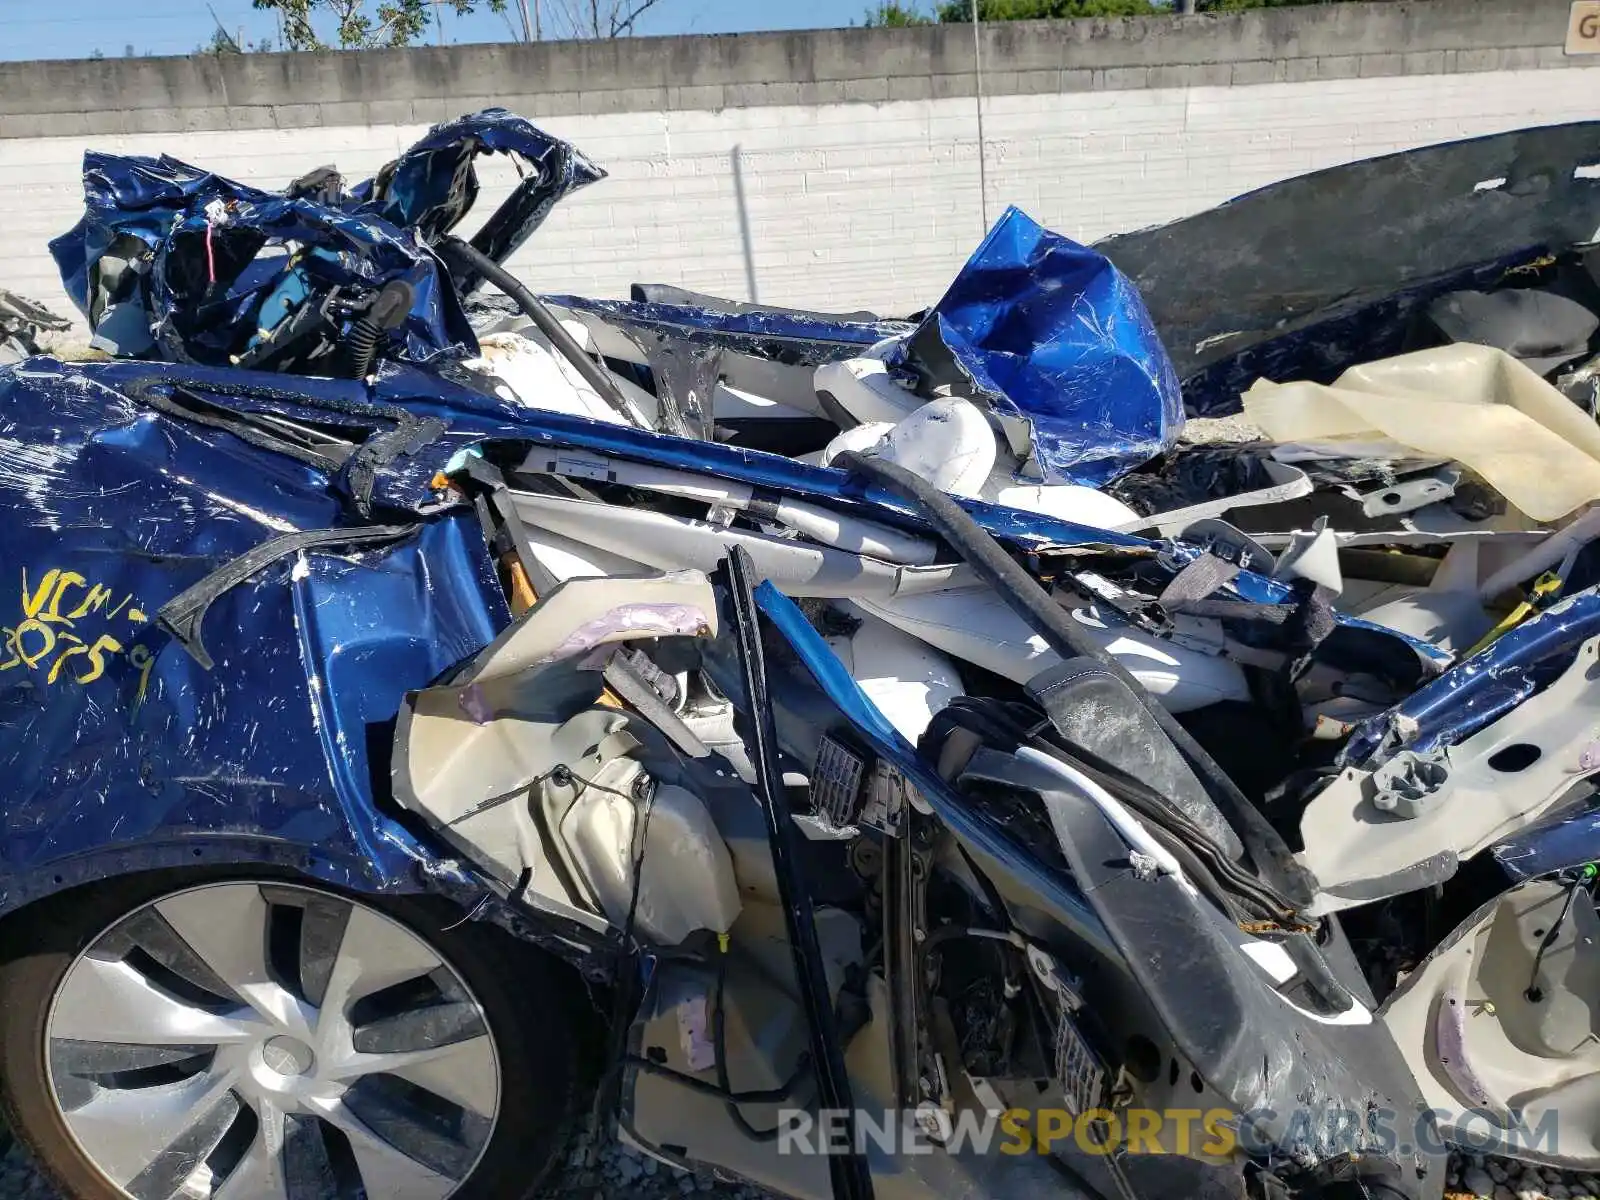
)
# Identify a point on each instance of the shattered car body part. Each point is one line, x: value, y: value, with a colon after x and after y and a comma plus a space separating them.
x: 1509, y: 996
x: 1376, y: 241
x: 589, y: 771
x: 433, y: 185
x: 221, y: 271
x: 1428, y: 809
x: 104, y: 706
x: 517, y: 865
x: 1055, y: 340
x: 820, y: 853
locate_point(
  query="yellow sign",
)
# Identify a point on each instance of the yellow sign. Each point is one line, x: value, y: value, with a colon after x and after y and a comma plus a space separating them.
x: 1583, y: 30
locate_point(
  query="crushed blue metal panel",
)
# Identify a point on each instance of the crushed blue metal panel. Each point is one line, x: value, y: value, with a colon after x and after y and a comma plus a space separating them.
x: 1486, y: 686
x: 1052, y: 335
x: 216, y: 271
x: 218, y: 278
x: 119, y: 744
x: 433, y: 185
x: 793, y: 336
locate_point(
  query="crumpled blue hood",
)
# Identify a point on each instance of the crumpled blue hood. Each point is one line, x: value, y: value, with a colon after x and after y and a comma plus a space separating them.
x: 1057, y: 340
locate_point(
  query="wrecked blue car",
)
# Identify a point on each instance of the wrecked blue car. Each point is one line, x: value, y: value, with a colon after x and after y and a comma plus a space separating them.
x: 857, y: 755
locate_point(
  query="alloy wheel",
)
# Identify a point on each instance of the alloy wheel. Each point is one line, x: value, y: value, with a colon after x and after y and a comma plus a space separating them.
x: 264, y: 1041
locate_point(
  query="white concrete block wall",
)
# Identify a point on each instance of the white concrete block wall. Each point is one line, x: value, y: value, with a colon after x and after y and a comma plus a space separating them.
x: 853, y: 205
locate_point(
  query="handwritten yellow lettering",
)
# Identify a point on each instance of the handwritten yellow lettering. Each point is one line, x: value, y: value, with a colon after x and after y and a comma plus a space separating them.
x: 51, y: 612
x: 97, y: 652
x: 33, y: 602
x: 93, y: 602
x: 61, y: 661
x: 34, y: 625
x: 65, y: 580
x: 142, y: 661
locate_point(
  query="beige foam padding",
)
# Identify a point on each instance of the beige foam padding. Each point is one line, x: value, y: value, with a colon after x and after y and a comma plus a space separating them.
x: 1470, y: 404
x: 1536, y: 1052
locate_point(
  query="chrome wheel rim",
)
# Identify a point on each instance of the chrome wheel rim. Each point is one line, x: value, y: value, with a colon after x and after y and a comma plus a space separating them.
x: 260, y: 1040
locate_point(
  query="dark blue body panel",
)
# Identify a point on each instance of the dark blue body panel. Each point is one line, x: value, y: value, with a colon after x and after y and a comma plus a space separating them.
x: 121, y: 753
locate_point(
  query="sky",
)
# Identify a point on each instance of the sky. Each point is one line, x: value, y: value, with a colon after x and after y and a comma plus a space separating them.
x: 76, y: 28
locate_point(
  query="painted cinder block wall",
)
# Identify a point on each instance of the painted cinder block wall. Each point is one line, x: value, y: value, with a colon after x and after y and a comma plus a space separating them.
x: 834, y: 168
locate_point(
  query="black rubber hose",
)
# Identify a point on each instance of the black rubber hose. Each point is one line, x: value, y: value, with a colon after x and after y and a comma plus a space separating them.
x: 388, y: 311
x: 362, y: 344
x: 1023, y: 594
x: 593, y: 373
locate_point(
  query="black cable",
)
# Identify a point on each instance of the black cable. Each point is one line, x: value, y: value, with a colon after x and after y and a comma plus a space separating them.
x: 1533, y: 992
x: 1023, y: 594
x: 720, y: 1050
x: 764, y: 1096
x: 595, y: 375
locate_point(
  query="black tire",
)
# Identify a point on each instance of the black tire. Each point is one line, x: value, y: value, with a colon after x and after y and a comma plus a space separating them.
x: 528, y: 1001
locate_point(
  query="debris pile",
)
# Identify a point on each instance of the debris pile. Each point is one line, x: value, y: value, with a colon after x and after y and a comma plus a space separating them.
x: 21, y: 322
x: 1266, y: 720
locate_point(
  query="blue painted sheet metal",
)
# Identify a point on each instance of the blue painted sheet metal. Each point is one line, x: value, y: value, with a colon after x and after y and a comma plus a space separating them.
x: 121, y: 752
x: 1050, y: 333
x: 222, y: 263
x: 1484, y: 687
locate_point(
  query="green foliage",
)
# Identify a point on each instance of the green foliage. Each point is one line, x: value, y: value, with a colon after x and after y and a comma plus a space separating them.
x: 1031, y: 10
x: 893, y: 15
x: 222, y: 42
x: 956, y: 11
x: 391, y: 23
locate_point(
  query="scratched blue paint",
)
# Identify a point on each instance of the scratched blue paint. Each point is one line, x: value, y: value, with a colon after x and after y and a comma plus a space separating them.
x: 1486, y: 686
x: 268, y: 757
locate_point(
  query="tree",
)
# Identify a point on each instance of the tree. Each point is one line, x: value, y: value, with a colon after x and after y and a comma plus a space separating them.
x: 391, y: 23
x: 894, y: 15
x: 960, y: 11
x: 223, y: 42
x: 597, y: 18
